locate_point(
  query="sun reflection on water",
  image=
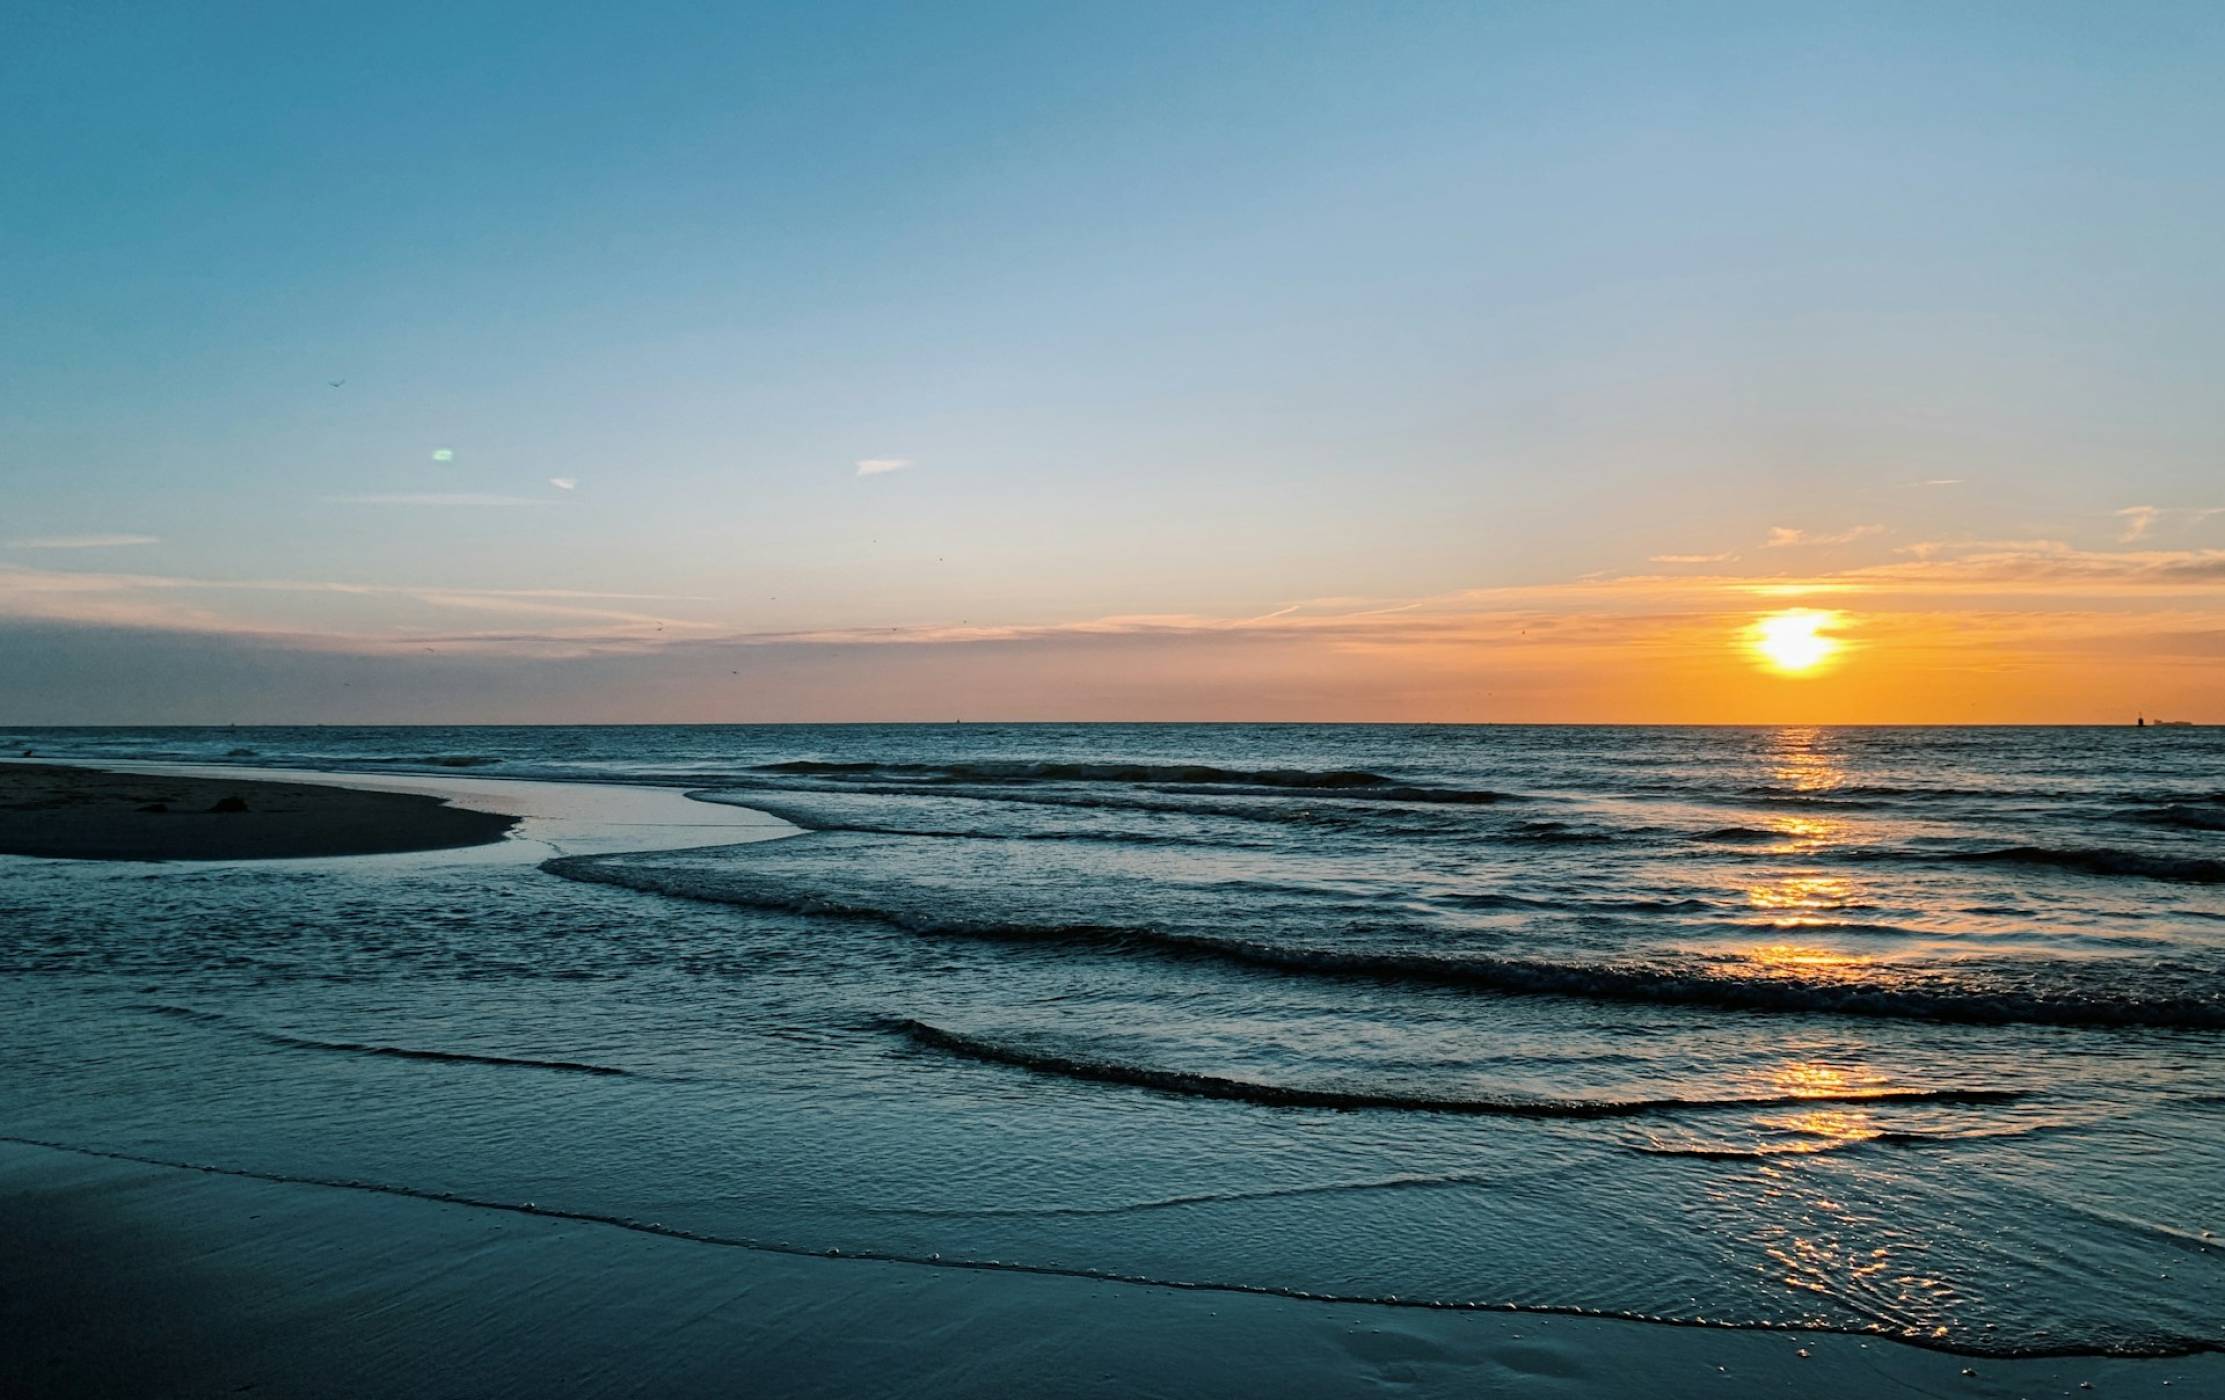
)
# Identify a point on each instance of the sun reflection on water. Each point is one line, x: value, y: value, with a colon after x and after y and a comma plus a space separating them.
x: 1820, y: 1245
x: 1832, y: 1127
x: 1812, y: 1078
x: 1801, y: 759
x: 1805, y: 835
x: 1804, y: 962
x: 1802, y: 892
x: 1796, y: 955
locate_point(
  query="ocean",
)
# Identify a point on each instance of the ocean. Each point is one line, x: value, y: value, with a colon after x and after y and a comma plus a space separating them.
x: 1912, y: 1032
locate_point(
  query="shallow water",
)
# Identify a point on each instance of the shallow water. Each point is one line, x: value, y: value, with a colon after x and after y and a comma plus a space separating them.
x: 1912, y: 1031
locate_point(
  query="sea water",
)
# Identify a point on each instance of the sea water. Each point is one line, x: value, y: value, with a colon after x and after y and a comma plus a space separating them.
x: 1918, y: 1032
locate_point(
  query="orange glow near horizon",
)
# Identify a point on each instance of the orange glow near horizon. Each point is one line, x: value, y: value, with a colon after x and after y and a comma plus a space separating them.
x: 1636, y: 649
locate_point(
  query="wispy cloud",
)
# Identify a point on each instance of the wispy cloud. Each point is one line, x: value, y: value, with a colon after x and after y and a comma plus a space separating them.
x: 311, y: 612
x: 1692, y: 558
x: 564, y: 483
x: 1944, y: 481
x: 880, y: 466
x: 2140, y: 521
x: 2047, y: 566
x: 443, y: 498
x: 1782, y: 536
x: 531, y: 605
x: 82, y: 541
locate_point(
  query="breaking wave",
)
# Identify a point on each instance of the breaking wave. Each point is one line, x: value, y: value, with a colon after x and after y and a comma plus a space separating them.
x: 1019, y: 771
x: 1178, y: 777
x: 1698, y: 983
x: 1187, y: 1084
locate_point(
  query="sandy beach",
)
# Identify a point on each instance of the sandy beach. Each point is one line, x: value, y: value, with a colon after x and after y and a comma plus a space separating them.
x: 125, y: 1278
x: 84, y: 814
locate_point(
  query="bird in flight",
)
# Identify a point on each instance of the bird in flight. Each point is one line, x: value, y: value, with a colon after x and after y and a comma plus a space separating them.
x: 336, y: 383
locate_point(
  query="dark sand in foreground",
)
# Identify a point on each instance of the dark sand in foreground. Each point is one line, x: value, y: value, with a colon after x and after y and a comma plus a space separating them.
x: 125, y: 1278
x: 82, y: 814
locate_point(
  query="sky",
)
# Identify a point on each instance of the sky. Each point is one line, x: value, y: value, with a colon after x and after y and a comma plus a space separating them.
x: 1125, y: 361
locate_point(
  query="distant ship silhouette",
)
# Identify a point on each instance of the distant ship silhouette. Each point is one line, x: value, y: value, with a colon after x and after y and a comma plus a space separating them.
x: 2142, y: 723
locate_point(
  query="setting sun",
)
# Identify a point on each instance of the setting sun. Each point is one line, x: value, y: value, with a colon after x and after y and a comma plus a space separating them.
x: 1795, y: 642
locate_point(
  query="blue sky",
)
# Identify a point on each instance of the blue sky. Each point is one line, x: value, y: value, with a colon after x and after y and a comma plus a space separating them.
x: 1188, y: 312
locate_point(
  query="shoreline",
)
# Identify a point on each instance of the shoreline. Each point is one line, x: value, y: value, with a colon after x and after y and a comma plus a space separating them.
x: 131, y: 1278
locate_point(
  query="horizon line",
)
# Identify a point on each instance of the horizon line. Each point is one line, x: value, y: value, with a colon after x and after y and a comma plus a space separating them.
x: 1130, y: 724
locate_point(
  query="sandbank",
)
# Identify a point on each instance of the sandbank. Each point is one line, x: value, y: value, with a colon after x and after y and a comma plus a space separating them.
x: 86, y: 814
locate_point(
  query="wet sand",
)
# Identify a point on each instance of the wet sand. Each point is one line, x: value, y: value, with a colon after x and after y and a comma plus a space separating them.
x: 124, y: 1278
x: 84, y: 814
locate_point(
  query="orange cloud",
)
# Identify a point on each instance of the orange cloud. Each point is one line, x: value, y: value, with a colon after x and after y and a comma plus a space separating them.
x: 1949, y: 630
x: 1782, y: 537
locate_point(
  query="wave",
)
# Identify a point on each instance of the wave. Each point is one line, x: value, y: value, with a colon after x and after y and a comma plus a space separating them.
x: 437, y: 760
x: 813, y: 821
x: 446, y: 1056
x: 1877, y: 791
x: 1408, y: 1181
x: 1688, y: 983
x: 397, y: 1052
x: 1715, y: 1152
x: 2183, y: 816
x: 1209, y: 1086
x: 2171, y: 797
x: 1400, y: 792
x: 1328, y: 810
x: 1023, y: 771
x: 1558, y: 833
x: 1978, y: 1345
x: 2095, y: 860
x: 1694, y: 986
x: 1491, y: 899
x: 1708, y: 1153
x: 187, y: 1013
x: 1172, y: 777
